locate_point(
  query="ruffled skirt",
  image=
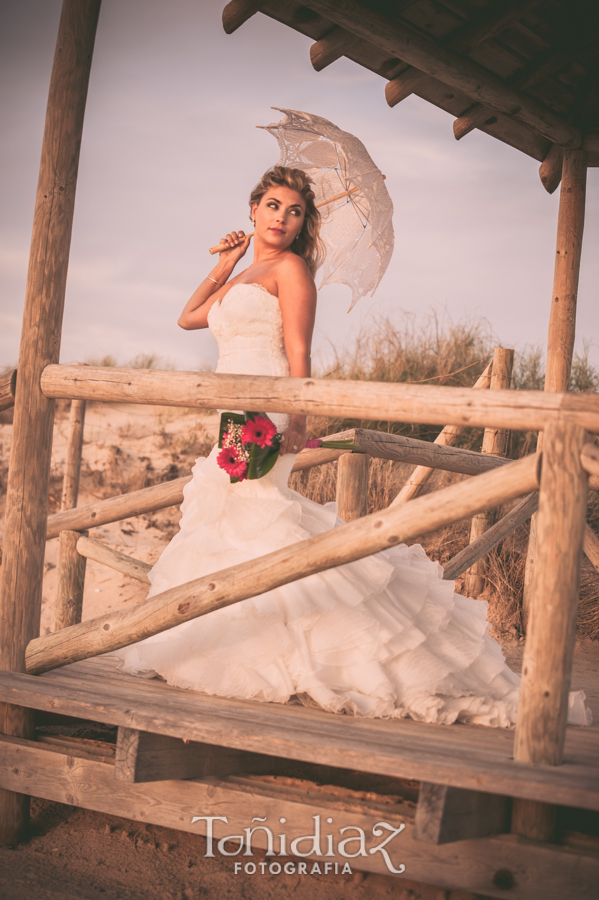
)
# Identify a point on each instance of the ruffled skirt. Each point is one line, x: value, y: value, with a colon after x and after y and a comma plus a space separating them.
x: 381, y: 636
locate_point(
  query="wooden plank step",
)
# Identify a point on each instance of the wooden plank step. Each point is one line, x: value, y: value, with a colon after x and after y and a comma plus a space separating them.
x: 474, y: 758
x: 494, y: 867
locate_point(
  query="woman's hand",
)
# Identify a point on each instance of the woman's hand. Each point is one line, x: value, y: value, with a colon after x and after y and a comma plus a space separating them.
x: 237, y: 243
x: 294, y: 436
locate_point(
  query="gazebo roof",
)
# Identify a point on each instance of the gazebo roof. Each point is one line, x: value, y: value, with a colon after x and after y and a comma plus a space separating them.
x: 523, y: 71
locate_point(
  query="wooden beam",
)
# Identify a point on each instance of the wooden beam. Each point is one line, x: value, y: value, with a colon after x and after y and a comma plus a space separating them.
x: 494, y: 443
x: 237, y: 12
x: 89, y: 548
x: 352, y: 486
x: 491, y: 538
x: 8, y: 384
x: 28, y: 479
x: 462, y: 74
x: 430, y: 454
x: 135, y: 503
x: 462, y: 41
x: 410, y: 81
x: 447, y: 814
x: 142, y: 757
x: 473, y: 118
x: 550, y: 170
x: 340, y: 545
x: 71, y: 581
x: 427, y: 404
x: 549, y: 649
x: 493, y: 867
x: 536, y: 70
x: 331, y: 47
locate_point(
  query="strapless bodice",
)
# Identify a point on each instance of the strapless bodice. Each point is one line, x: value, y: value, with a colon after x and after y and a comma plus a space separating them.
x: 248, y: 328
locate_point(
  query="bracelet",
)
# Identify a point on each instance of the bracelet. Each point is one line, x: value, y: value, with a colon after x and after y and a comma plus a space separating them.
x: 214, y: 280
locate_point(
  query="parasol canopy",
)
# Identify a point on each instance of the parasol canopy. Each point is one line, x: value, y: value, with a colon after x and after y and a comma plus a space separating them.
x: 357, y: 228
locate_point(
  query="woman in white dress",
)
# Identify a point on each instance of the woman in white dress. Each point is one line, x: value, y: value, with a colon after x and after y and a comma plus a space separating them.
x: 382, y: 636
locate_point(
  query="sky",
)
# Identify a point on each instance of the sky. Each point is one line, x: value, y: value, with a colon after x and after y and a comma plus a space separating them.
x: 170, y: 153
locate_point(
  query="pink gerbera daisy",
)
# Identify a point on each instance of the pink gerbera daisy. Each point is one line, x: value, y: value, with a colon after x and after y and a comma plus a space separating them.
x: 228, y: 459
x: 258, y: 431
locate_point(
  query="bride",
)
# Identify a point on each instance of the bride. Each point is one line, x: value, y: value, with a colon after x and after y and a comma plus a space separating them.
x: 382, y: 636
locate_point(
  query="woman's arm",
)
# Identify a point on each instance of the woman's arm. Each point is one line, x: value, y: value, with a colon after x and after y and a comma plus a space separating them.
x: 195, y: 313
x: 297, y: 299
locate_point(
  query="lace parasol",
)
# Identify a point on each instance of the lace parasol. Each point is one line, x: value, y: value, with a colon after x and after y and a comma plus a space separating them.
x: 357, y: 227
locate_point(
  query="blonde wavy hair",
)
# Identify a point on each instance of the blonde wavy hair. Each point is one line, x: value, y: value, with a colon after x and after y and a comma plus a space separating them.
x: 307, y: 244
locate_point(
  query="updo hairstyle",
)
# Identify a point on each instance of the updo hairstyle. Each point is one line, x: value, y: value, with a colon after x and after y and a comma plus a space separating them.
x: 307, y: 244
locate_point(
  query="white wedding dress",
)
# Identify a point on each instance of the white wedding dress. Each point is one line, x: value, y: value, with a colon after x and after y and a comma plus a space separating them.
x: 382, y: 636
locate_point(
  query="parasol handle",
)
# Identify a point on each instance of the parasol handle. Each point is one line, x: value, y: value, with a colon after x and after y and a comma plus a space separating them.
x: 220, y: 247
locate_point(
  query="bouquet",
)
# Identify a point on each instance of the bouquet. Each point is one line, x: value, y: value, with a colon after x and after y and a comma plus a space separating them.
x: 250, y: 445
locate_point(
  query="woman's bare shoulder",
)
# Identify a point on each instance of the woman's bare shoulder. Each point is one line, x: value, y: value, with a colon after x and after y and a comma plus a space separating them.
x: 292, y: 269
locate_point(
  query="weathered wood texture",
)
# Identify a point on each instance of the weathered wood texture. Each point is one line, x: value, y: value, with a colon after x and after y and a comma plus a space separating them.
x: 591, y: 546
x: 27, y: 490
x: 550, y: 170
x: 237, y: 12
x: 427, y: 404
x: 446, y: 814
x: 463, y: 40
x: 141, y: 756
x: 340, y: 545
x: 570, y: 228
x: 491, y: 538
x: 589, y: 459
x: 107, y: 556
x: 446, y: 438
x: 477, y: 115
x: 468, y: 757
x: 352, y: 486
x: 71, y: 581
x: 8, y: 386
x: 70, y: 485
x: 428, y: 455
x: 331, y: 47
x: 533, y: 870
x: 562, y: 318
x: 407, y: 44
x: 547, y: 663
x: 135, y: 503
x: 494, y: 443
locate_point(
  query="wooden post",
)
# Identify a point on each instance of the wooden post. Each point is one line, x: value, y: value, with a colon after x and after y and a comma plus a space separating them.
x: 71, y: 581
x: 70, y: 485
x: 71, y: 566
x: 547, y: 663
x: 494, y: 442
x: 28, y: 480
x: 562, y: 320
x: 352, y: 486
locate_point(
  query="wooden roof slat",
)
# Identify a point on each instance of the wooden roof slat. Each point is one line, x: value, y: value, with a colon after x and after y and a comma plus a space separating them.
x: 331, y: 47
x: 448, y: 68
x: 543, y: 25
x: 464, y: 40
x: 237, y: 12
x: 536, y: 71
